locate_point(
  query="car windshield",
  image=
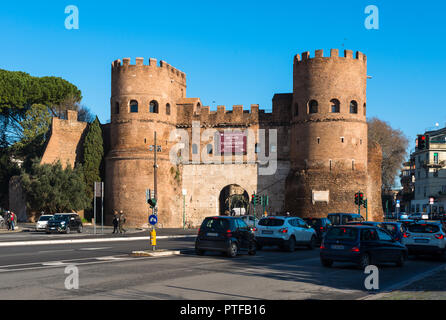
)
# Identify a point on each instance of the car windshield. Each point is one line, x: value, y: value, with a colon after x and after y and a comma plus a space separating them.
x: 216, y: 224
x: 347, y: 234
x: 59, y: 217
x: 424, y: 228
x: 271, y: 222
x: 44, y: 218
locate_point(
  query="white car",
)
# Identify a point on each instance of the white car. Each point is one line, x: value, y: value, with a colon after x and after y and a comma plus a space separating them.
x: 42, y: 222
x: 285, y: 232
x: 426, y: 237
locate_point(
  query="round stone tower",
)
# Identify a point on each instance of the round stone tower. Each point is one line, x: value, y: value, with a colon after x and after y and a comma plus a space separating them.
x: 328, y: 137
x: 143, y: 100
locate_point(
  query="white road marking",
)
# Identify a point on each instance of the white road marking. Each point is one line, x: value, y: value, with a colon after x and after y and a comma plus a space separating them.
x: 88, y: 249
x: 54, y: 264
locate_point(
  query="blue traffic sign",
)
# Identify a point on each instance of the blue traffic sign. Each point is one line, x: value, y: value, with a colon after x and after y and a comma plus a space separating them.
x: 153, y: 219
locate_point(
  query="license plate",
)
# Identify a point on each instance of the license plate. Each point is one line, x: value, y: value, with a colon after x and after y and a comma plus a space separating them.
x: 337, y: 247
x: 212, y: 234
x: 267, y: 232
x: 421, y: 240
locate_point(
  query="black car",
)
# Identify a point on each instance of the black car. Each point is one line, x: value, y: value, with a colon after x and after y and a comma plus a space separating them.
x: 320, y: 225
x: 230, y: 235
x: 397, y: 229
x: 361, y: 244
x: 343, y: 218
x: 64, y: 222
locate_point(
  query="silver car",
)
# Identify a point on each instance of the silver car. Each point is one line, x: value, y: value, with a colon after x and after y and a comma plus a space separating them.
x: 42, y: 222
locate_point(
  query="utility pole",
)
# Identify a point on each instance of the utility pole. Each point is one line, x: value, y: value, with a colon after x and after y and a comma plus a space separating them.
x: 154, y: 174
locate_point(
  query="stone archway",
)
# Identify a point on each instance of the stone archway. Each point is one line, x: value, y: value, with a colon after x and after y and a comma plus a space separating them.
x: 233, y: 197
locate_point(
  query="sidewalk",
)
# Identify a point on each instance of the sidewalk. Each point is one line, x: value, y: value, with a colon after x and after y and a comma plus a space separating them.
x: 432, y: 287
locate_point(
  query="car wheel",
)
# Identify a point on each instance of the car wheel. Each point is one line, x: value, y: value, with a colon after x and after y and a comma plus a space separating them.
x: 291, y: 245
x: 80, y: 229
x: 400, y: 261
x: 312, y: 243
x: 233, y: 250
x: 67, y: 230
x: 326, y: 262
x: 364, y: 260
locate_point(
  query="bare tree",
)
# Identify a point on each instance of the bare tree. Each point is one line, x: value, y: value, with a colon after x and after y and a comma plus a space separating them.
x: 394, y: 145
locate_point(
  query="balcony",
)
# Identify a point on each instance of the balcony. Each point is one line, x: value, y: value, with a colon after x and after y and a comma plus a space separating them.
x: 433, y: 164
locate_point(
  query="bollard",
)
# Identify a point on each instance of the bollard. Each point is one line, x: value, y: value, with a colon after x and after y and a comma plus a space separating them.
x: 153, y: 239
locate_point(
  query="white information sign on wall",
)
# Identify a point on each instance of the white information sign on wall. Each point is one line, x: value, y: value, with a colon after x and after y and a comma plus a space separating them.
x: 320, y: 196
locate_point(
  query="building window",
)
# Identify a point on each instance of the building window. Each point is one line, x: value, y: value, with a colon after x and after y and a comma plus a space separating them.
x: 153, y: 107
x: 312, y: 106
x: 209, y: 148
x: 133, y: 106
x: 353, y: 106
x: 318, y: 140
x: 117, y: 107
x: 296, y: 109
x: 342, y: 139
x: 365, y: 108
x: 353, y: 164
x: 168, y: 109
x: 330, y: 163
x: 436, y: 158
x: 256, y: 148
x: 335, y: 106
x: 194, y: 148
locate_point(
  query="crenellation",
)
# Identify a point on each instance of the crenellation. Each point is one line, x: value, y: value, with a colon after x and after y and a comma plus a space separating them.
x: 348, y: 54
x: 306, y: 55
x: 139, y: 61
x: 152, y: 62
x: 125, y: 62
x: 221, y: 109
x: 319, y: 53
x: 334, y: 53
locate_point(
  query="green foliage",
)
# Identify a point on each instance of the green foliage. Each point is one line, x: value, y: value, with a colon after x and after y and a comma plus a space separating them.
x: 93, y: 157
x: 8, y: 169
x: 52, y: 189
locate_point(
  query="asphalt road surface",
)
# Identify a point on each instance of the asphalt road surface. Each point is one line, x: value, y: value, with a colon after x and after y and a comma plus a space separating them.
x: 106, y: 271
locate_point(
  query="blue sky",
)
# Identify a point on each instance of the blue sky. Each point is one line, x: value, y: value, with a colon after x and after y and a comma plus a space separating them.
x: 237, y: 52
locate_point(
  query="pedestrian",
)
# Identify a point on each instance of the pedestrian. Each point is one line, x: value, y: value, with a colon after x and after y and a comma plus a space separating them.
x: 115, y: 221
x: 8, y: 219
x: 122, y: 221
x: 13, y: 220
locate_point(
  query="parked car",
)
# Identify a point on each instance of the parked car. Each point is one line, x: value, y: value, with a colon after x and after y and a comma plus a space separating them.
x: 403, y: 215
x: 368, y: 223
x: 426, y: 237
x: 397, y: 229
x: 2, y: 222
x: 64, y: 222
x: 419, y: 216
x: 285, y: 232
x: 361, y: 244
x: 227, y: 234
x: 42, y: 222
x: 251, y: 221
x: 320, y: 225
x: 343, y: 218
x: 406, y: 222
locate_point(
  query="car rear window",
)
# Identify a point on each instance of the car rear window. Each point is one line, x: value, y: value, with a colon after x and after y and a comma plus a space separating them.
x: 424, y: 228
x: 347, y: 234
x: 271, y: 222
x: 313, y: 222
x: 215, y: 224
x: 390, y: 227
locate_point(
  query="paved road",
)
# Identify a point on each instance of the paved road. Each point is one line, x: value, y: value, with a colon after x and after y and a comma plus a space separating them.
x: 106, y: 271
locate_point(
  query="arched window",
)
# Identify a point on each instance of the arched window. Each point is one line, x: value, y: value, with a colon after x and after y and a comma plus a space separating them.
x: 209, y: 148
x: 168, y: 108
x: 296, y: 109
x: 312, y: 106
x: 116, y: 107
x: 353, y: 106
x: 335, y: 106
x: 153, y: 107
x: 133, y: 106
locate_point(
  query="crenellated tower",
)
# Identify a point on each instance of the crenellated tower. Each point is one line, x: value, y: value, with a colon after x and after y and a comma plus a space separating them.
x: 143, y: 100
x: 328, y: 138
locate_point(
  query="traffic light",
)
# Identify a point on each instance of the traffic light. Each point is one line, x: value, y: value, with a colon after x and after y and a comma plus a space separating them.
x: 357, y: 198
x: 152, y: 203
x: 254, y: 198
x: 361, y: 198
x: 421, y: 142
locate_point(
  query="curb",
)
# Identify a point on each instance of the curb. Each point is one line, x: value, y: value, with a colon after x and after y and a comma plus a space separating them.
x: 403, y: 284
x: 157, y: 253
x: 43, y: 242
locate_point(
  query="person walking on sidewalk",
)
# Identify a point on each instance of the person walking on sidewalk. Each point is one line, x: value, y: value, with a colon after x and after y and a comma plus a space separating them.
x: 8, y: 219
x: 122, y: 221
x: 115, y: 221
x: 11, y: 219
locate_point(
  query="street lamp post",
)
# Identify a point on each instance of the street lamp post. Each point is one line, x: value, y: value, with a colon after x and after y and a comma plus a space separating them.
x: 184, y: 208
